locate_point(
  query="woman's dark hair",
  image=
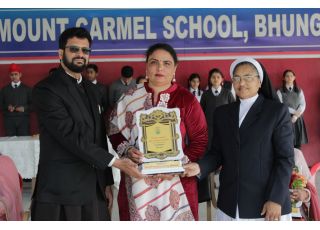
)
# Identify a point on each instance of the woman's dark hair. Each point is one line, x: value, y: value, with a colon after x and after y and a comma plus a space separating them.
x: 162, y: 46
x: 211, y: 72
x: 295, y: 86
x: 194, y: 76
x: 77, y: 32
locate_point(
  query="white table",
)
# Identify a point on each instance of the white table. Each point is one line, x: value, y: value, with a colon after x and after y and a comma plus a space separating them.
x: 24, y: 151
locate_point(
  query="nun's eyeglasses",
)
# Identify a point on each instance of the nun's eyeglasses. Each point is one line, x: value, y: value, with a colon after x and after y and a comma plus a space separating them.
x: 76, y: 49
x: 246, y: 78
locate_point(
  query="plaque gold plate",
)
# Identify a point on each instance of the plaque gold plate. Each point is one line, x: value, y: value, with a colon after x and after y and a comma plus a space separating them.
x: 160, y: 140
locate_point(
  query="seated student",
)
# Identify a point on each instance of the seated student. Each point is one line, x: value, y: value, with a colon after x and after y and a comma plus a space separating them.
x: 11, y: 207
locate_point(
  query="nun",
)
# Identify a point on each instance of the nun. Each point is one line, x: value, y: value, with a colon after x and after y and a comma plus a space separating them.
x: 253, y: 145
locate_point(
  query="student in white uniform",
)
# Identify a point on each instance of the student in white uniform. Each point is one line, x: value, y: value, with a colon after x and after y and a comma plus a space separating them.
x: 292, y: 96
x: 194, y: 85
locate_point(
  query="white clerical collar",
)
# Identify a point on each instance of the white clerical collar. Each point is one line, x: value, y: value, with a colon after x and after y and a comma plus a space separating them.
x: 14, y: 85
x: 95, y: 81
x: 249, y: 100
x: 78, y: 80
x: 216, y: 91
x: 245, y: 105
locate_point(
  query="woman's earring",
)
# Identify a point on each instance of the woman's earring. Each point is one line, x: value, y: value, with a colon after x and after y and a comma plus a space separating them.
x: 174, y: 78
x: 146, y: 77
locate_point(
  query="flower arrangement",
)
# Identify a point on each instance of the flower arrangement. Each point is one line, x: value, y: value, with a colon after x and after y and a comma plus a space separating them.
x: 297, y: 180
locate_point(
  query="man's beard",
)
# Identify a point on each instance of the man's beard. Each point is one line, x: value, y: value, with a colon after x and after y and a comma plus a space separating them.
x: 73, y: 67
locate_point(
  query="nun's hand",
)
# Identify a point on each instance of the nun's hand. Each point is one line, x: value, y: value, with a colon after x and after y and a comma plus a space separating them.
x: 191, y: 169
x: 272, y: 211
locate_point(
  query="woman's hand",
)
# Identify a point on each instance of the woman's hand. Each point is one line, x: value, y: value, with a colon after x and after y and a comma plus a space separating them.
x: 297, y: 113
x: 294, y: 119
x: 135, y: 155
x: 299, y: 195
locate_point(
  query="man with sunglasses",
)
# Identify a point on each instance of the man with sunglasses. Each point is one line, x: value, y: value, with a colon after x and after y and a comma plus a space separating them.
x: 74, y: 173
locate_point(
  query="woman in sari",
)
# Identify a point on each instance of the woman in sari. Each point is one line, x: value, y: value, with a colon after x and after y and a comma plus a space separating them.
x: 158, y: 197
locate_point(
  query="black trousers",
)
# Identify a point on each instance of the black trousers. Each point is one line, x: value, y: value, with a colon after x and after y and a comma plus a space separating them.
x: 17, y: 126
x: 95, y: 211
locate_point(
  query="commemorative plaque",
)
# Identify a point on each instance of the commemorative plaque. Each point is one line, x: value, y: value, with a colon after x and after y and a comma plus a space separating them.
x: 160, y: 140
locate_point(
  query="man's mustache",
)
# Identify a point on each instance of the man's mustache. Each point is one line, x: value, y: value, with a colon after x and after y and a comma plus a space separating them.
x: 78, y: 58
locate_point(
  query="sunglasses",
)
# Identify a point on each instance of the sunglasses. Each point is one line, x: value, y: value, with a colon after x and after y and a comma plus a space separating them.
x: 76, y: 49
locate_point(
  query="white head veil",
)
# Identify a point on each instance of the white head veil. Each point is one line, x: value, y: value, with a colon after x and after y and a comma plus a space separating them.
x: 250, y: 60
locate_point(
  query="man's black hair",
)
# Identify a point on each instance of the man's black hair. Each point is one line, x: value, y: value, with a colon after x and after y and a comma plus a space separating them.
x: 127, y: 71
x: 77, y: 32
x: 92, y: 66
